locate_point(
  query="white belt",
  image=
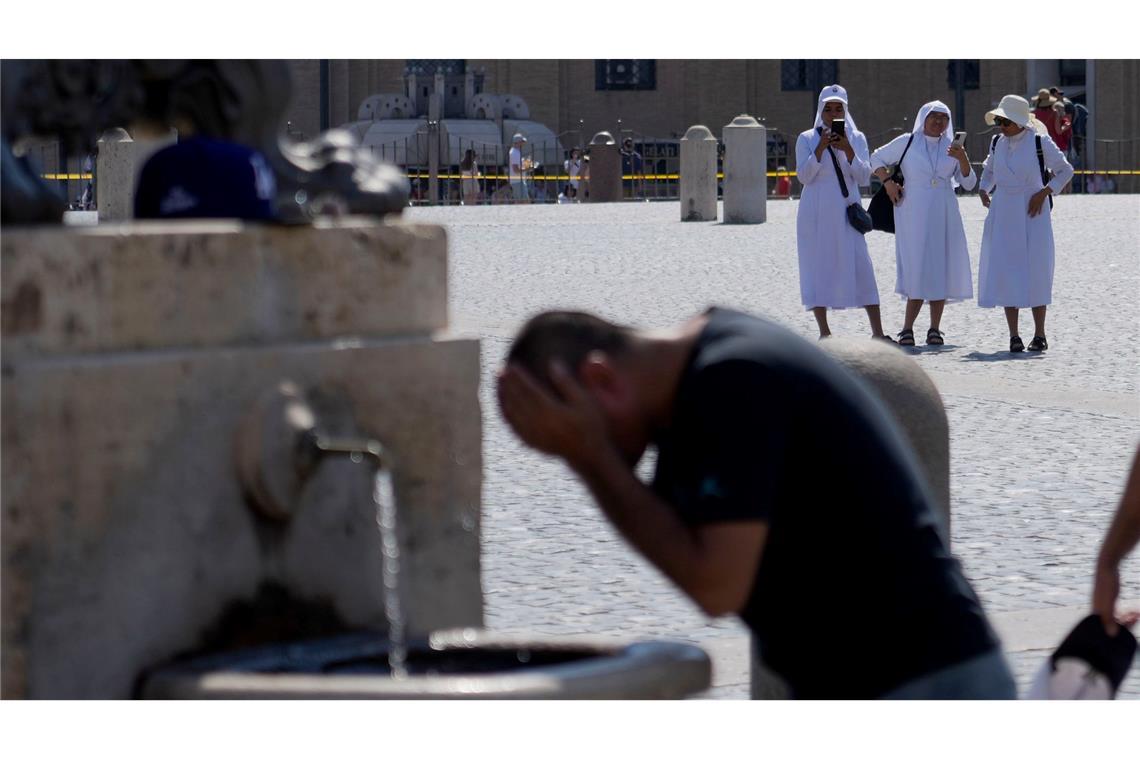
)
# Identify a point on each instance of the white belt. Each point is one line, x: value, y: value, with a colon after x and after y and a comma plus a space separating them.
x: 1017, y: 188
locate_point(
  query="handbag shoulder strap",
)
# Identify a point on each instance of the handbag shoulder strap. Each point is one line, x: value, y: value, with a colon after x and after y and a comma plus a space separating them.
x: 838, y: 173
x: 1041, y: 166
x: 908, y: 142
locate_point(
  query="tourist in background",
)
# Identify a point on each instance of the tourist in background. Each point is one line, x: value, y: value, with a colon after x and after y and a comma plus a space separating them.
x: 517, y: 168
x: 573, y: 167
x: 469, y: 178
x: 835, y: 267
x: 931, y: 254
x: 1050, y: 111
x: 631, y: 166
x: 1016, y: 268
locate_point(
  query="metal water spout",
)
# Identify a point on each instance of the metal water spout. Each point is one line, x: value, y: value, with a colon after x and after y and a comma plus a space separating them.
x: 283, y: 439
x: 282, y: 442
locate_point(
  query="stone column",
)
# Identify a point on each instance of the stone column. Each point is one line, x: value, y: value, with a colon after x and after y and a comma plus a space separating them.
x: 605, y: 169
x: 118, y: 162
x: 745, y: 171
x: 698, y: 175
x: 435, y: 113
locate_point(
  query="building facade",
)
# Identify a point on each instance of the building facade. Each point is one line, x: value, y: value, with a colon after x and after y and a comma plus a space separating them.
x: 661, y: 99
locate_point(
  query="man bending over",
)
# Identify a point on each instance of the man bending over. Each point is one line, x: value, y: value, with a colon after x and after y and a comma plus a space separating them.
x: 783, y: 494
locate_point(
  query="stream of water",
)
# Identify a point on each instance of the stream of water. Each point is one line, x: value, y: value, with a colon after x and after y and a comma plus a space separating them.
x: 385, y: 496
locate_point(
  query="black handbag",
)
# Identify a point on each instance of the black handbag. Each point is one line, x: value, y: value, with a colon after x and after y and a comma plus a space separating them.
x: 857, y: 216
x: 881, y: 207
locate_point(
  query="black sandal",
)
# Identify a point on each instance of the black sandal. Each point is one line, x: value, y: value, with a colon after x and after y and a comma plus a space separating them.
x: 1015, y: 345
x: 934, y: 337
x: 1038, y: 343
x: 906, y: 337
x: 885, y: 337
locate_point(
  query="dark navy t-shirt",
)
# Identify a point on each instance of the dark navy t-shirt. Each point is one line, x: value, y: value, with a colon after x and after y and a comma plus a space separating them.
x: 202, y: 177
x: 856, y: 592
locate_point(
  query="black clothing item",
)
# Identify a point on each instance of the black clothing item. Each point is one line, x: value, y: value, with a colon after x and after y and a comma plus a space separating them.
x: 856, y: 592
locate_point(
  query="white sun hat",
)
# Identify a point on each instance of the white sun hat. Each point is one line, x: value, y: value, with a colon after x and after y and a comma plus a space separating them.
x: 1016, y: 109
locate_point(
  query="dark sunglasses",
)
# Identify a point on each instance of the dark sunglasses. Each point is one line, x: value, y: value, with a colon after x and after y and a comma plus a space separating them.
x: 999, y: 121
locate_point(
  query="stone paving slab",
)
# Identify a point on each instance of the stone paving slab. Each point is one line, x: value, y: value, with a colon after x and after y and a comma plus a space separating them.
x: 1040, y: 444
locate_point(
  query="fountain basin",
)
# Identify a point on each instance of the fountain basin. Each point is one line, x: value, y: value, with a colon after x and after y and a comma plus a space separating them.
x: 456, y: 664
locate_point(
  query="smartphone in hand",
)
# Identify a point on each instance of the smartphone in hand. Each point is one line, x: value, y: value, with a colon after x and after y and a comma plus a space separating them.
x: 839, y: 127
x: 959, y: 139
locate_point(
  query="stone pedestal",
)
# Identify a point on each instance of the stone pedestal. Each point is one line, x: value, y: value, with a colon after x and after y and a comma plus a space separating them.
x: 913, y: 401
x: 745, y: 172
x: 118, y: 163
x: 605, y: 169
x: 134, y: 356
x: 910, y: 398
x: 698, y: 175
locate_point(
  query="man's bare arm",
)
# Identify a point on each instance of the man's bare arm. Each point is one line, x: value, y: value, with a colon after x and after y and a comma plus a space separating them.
x: 715, y: 564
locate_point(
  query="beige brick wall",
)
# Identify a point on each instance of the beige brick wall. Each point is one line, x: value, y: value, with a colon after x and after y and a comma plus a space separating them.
x: 1118, y: 119
x: 884, y: 94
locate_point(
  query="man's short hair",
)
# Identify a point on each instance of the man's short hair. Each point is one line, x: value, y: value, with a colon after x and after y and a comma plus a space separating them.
x: 567, y: 336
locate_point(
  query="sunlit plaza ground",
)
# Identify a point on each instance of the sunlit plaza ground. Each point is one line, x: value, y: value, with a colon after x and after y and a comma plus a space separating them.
x: 1040, y: 444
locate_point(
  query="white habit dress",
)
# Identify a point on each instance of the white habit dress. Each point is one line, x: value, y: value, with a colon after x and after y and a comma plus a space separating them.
x: 835, y: 268
x: 931, y: 255
x: 1016, y: 267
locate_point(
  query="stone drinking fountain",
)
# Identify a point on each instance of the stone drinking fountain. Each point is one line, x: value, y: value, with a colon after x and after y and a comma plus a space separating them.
x: 244, y: 460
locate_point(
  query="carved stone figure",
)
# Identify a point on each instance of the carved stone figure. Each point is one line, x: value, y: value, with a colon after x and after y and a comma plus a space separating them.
x: 239, y: 100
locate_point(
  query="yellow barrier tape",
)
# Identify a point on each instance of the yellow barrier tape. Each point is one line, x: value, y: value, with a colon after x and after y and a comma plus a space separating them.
x: 560, y: 177
x: 565, y: 177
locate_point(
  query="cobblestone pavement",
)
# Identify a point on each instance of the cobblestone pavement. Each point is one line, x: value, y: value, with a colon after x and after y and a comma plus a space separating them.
x: 1040, y: 444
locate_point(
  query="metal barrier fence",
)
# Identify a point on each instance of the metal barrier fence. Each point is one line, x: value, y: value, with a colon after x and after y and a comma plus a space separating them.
x: 73, y: 179
x: 653, y: 174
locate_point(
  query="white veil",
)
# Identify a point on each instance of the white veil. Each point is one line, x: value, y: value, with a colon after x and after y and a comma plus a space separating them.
x: 934, y: 106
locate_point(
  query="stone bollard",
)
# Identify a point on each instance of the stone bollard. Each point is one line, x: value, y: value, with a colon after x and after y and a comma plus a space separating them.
x: 745, y: 171
x: 698, y: 175
x: 912, y: 400
x: 119, y: 161
x: 910, y: 396
x: 605, y: 169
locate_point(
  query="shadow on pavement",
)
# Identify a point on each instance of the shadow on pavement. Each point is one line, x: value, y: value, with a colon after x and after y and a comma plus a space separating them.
x: 944, y: 348
x: 999, y: 356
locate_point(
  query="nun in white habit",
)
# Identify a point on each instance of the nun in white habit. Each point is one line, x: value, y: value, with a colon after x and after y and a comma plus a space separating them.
x: 931, y: 255
x: 1016, y: 267
x: 835, y: 268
